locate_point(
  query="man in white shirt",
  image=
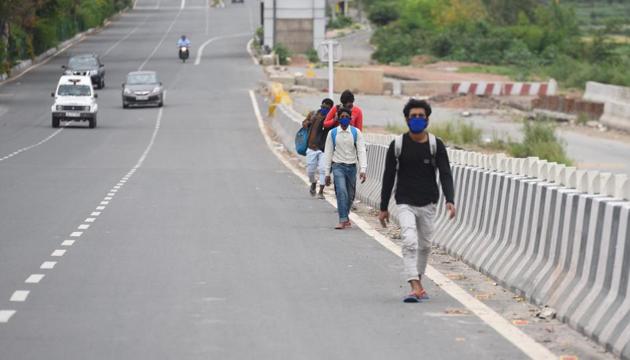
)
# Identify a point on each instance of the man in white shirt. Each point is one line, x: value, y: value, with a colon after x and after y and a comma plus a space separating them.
x: 345, y: 148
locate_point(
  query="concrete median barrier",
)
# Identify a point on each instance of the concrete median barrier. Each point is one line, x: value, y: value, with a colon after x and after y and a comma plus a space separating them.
x: 556, y: 235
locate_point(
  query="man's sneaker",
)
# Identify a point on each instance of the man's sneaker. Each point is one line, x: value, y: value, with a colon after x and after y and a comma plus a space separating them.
x: 312, y: 191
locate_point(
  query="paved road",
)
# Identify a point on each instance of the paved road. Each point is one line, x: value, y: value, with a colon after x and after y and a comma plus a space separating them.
x: 178, y: 235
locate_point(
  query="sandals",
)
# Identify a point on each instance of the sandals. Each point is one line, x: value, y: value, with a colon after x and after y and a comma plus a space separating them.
x: 414, y: 298
x: 343, y: 225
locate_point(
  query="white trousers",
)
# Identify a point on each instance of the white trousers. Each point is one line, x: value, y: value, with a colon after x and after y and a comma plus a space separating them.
x: 416, y: 229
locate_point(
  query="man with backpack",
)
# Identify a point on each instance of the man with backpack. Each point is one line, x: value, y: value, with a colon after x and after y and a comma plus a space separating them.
x: 316, y: 139
x: 356, y: 114
x: 344, y: 149
x: 412, y: 163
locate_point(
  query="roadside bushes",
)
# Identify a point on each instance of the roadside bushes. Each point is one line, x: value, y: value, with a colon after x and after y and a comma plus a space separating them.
x: 35, y: 26
x: 535, y: 38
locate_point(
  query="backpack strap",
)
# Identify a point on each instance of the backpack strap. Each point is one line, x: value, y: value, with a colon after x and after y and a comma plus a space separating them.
x: 333, y: 134
x: 398, y: 143
x: 433, y: 149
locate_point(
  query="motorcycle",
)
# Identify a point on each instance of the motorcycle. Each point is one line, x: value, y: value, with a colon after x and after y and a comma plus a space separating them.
x: 183, y: 53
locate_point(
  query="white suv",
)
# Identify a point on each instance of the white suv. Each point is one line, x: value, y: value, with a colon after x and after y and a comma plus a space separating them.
x: 75, y: 100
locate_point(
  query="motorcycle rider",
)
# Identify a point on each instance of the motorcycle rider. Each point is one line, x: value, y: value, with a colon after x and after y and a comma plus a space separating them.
x: 183, y: 41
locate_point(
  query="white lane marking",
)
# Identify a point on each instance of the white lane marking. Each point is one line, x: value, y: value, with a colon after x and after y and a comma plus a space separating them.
x: 58, y: 253
x: 104, y: 202
x: 83, y: 227
x: 76, y: 234
x: 514, y: 335
x: 90, y: 220
x: 116, y: 187
x: 95, y: 213
x: 5, y: 315
x: 32, y: 146
x: 67, y: 243
x: 34, y: 278
x: 48, y: 265
x: 100, y: 208
x: 203, y: 46
x: 251, y: 51
x: 110, y: 196
x: 19, y: 296
x: 106, y: 52
x: 155, y: 49
x: 107, y: 198
x: 183, y: 4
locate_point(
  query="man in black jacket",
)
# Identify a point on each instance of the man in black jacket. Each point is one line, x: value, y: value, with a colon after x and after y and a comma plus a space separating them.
x: 415, y: 158
x: 316, y: 141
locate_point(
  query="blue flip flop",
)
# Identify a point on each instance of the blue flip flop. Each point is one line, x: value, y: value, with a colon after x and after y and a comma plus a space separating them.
x: 411, y: 298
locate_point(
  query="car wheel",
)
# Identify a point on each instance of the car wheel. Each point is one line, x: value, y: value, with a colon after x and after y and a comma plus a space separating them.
x: 102, y: 83
x: 55, y: 122
x: 161, y: 103
x: 125, y: 105
x: 92, y: 124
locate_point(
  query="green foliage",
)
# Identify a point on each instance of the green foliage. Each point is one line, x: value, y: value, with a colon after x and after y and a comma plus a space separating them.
x: 283, y: 53
x: 540, y: 141
x: 36, y: 26
x: 460, y: 132
x: 312, y: 56
x: 532, y: 38
x: 340, y: 22
x: 383, y: 12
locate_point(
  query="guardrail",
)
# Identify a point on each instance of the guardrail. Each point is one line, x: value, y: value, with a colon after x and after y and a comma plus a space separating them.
x: 554, y: 234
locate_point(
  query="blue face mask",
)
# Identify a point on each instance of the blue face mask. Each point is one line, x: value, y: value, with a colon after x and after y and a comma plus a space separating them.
x: 417, y: 124
x: 344, y: 121
x: 324, y: 111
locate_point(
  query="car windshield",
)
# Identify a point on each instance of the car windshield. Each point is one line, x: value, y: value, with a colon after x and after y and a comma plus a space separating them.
x: 137, y: 79
x: 74, y: 90
x: 82, y: 63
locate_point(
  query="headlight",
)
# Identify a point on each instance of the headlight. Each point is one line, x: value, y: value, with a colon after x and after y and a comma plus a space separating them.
x: 127, y: 91
x: 157, y: 89
x: 59, y: 107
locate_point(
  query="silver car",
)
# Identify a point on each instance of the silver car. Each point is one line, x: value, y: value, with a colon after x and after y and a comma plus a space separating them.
x: 142, y: 88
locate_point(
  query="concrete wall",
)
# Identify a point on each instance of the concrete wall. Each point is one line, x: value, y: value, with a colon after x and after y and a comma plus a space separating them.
x: 563, y: 104
x: 616, y: 101
x: 547, y: 232
x: 312, y: 10
x: 364, y: 81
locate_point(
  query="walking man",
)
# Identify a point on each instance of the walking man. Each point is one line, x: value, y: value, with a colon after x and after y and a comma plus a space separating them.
x: 414, y: 159
x: 345, y: 149
x: 356, y: 114
x: 316, y: 141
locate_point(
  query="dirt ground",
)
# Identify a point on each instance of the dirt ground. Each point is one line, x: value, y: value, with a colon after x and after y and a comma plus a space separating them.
x: 440, y: 71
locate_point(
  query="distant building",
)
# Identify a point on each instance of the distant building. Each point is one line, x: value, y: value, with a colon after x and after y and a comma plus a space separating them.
x: 300, y: 25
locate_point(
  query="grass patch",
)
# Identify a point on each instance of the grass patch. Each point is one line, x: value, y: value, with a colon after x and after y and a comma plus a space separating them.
x: 541, y: 141
x: 512, y: 72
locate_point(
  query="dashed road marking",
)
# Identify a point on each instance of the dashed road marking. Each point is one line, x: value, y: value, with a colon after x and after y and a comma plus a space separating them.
x: 90, y: 220
x: 100, y: 208
x: 58, y: 253
x: 108, y: 198
x: 67, y: 243
x: 104, y: 202
x: 19, y: 296
x: 95, y: 213
x: 76, y: 234
x: 5, y: 315
x: 48, y: 265
x: 83, y: 227
x: 34, y: 278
